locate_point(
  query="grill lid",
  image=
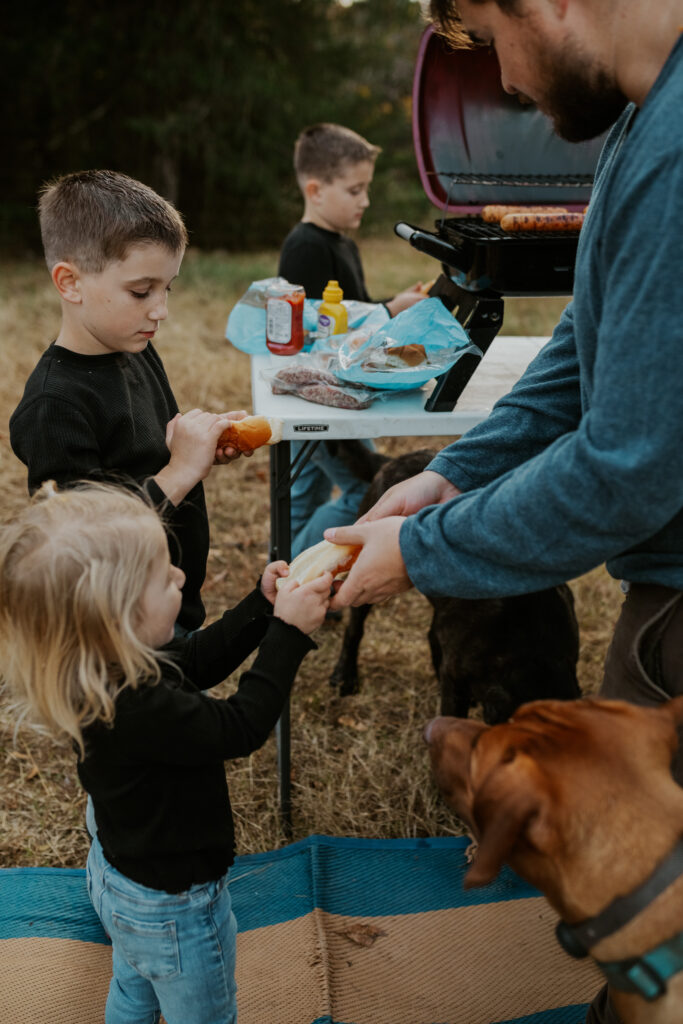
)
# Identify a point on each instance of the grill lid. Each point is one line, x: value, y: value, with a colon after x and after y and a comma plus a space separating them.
x: 475, y: 144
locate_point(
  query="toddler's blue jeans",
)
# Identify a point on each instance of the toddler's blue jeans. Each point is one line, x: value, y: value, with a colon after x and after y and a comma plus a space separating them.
x: 172, y: 953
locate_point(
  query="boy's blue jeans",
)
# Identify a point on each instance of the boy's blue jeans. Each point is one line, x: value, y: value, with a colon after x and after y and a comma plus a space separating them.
x: 172, y: 953
x: 312, y: 512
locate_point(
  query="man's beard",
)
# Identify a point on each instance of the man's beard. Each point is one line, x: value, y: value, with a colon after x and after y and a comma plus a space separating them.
x: 580, y: 98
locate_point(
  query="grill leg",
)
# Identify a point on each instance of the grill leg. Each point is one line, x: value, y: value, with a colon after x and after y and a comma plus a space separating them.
x: 481, y: 314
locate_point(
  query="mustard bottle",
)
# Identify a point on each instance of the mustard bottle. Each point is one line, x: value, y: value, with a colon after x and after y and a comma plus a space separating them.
x: 332, y: 316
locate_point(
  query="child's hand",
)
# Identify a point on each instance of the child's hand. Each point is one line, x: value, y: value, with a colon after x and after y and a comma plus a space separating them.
x: 191, y: 439
x: 271, y: 574
x: 227, y: 453
x: 406, y: 299
x: 304, y: 604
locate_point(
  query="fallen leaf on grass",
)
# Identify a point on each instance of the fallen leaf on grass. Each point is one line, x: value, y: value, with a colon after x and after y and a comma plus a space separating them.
x: 353, y: 723
x: 361, y: 934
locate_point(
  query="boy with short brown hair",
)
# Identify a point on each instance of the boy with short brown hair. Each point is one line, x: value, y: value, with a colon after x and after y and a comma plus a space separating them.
x: 334, y: 168
x: 98, y: 404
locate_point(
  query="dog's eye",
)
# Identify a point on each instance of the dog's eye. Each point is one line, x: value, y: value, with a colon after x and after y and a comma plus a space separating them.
x: 509, y: 755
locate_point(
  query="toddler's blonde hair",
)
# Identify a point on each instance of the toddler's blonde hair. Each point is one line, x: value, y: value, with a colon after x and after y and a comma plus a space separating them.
x: 73, y: 567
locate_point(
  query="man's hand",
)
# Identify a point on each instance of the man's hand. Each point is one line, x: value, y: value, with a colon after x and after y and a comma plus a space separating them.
x: 379, y: 571
x: 408, y: 497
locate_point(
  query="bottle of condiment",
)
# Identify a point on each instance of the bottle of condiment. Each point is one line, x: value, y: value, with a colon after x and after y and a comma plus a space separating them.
x: 285, y: 319
x: 332, y: 316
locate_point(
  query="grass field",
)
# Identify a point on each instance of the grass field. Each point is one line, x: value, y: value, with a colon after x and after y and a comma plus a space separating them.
x: 359, y: 765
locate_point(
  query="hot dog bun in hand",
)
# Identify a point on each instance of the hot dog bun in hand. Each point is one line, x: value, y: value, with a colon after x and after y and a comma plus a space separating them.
x: 250, y: 433
x: 321, y: 558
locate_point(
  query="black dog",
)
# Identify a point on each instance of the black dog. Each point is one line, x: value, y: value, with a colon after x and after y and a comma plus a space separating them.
x: 497, y: 652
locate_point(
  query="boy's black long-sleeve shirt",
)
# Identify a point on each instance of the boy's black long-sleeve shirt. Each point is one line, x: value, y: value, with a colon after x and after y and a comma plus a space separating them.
x: 104, y: 418
x: 312, y: 256
x: 157, y: 777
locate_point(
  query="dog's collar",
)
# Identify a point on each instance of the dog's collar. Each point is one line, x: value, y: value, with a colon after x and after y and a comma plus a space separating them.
x: 646, y: 974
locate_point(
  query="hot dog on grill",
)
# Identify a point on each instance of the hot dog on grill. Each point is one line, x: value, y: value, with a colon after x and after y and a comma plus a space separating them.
x: 250, y: 433
x: 494, y: 213
x: 321, y: 558
x: 542, y: 222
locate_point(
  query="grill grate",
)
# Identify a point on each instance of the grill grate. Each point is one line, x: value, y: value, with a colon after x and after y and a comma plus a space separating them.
x: 481, y: 231
x: 530, y: 180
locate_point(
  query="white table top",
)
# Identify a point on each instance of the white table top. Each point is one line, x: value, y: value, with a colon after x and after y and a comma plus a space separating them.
x: 403, y: 414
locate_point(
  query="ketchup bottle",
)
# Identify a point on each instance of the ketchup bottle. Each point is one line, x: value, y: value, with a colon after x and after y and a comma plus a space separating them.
x: 285, y: 319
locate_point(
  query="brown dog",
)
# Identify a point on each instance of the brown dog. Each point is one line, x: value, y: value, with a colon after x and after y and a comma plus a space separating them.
x: 578, y: 798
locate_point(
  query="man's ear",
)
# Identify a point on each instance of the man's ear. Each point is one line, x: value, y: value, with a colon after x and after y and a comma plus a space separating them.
x: 502, y: 809
x: 67, y: 281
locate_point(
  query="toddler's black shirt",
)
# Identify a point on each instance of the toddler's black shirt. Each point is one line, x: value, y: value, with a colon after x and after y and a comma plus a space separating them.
x: 157, y: 777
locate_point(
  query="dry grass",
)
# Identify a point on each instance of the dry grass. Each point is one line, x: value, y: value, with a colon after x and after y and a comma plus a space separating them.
x: 359, y: 766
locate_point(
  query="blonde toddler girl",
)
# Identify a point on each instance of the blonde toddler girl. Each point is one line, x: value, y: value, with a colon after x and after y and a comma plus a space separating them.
x: 88, y: 602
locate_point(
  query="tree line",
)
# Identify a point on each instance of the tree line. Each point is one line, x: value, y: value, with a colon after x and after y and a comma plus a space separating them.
x: 203, y: 102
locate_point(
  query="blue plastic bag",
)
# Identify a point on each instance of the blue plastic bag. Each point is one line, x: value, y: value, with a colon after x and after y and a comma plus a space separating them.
x: 418, y: 344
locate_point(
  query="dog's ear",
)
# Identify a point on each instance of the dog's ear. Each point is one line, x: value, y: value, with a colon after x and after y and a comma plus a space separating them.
x: 509, y: 799
x: 674, y: 707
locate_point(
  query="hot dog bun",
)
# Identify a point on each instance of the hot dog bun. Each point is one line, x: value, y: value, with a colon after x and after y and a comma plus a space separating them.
x: 250, y: 433
x: 322, y: 557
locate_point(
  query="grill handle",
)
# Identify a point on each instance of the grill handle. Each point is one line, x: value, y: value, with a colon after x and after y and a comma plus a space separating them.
x: 426, y: 242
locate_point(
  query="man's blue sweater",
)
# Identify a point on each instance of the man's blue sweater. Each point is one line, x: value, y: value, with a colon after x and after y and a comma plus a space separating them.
x: 582, y: 463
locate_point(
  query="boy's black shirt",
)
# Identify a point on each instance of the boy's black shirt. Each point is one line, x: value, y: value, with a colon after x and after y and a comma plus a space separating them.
x: 104, y: 418
x: 156, y: 775
x: 312, y: 256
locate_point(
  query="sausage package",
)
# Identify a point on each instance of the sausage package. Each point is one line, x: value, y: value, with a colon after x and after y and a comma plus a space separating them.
x: 309, y: 376
x: 418, y: 344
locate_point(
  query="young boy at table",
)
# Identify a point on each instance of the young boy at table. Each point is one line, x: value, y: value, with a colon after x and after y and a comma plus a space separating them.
x: 334, y: 167
x: 98, y: 404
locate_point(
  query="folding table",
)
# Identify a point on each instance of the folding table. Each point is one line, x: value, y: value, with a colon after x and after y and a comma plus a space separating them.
x: 402, y: 415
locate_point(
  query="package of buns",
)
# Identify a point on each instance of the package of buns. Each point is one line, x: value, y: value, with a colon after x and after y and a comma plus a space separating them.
x: 419, y: 343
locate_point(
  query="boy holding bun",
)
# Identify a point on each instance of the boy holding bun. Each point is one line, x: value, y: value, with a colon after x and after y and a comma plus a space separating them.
x: 98, y: 404
x: 334, y: 168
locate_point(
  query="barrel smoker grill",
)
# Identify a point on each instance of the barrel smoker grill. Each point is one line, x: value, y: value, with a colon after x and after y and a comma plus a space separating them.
x: 503, y: 152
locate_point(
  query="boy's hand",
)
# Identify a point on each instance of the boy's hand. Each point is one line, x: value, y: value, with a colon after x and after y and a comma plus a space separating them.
x: 271, y: 574
x: 406, y: 299
x: 227, y: 453
x: 304, y: 604
x: 191, y: 439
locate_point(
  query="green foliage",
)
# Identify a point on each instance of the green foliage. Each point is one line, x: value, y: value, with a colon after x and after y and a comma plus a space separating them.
x: 204, y: 101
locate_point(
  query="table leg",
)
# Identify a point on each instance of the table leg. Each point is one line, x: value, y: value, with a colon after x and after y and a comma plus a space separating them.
x: 282, y: 475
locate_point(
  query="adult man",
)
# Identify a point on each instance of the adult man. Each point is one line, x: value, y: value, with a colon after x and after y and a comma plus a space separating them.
x: 582, y: 463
